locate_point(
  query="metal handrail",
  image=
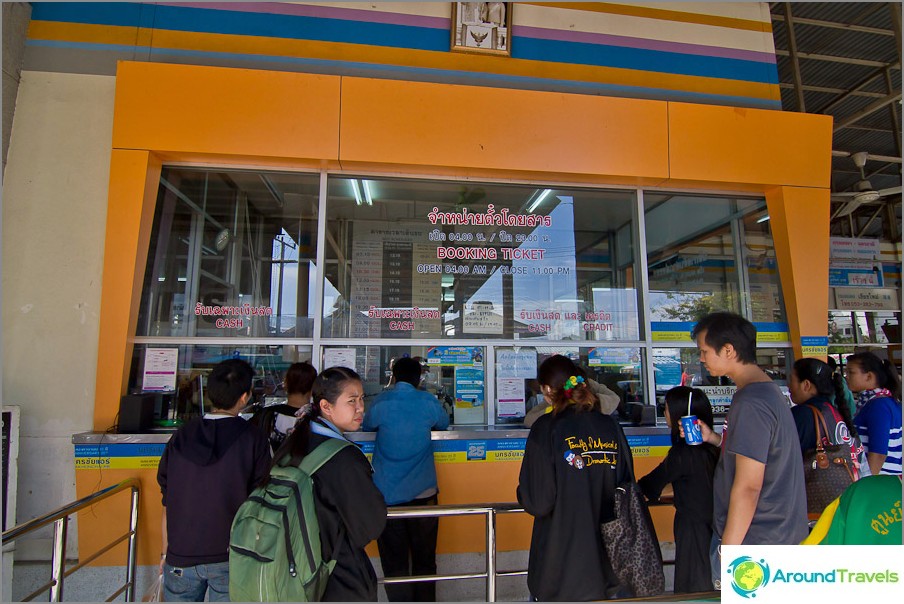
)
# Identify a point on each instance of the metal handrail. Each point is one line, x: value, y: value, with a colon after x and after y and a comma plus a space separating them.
x: 60, y: 519
x: 490, y: 511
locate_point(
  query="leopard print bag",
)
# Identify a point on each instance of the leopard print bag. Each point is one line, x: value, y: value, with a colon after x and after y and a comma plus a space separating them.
x: 632, y: 545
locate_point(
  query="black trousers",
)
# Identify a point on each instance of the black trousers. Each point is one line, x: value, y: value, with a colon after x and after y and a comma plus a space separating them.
x: 408, y: 547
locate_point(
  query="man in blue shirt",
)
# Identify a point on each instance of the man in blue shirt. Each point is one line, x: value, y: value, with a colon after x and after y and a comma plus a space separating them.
x: 404, y: 472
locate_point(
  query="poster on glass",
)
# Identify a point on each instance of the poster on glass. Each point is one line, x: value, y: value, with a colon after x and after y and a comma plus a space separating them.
x: 482, y: 27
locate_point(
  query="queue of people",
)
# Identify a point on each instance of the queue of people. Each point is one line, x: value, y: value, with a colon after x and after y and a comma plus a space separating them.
x: 744, y: 485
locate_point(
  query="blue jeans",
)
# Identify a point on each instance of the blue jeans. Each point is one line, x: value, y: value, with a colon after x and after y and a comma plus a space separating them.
x: 189, y: 584
x: 715, y: 561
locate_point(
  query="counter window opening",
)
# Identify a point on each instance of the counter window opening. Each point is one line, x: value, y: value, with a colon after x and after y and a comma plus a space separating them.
x: 482, y: 281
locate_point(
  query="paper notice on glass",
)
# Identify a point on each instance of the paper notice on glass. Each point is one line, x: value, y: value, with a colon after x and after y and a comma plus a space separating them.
x: 510, y: 394
x: 516, y: 364
x: 160, y: 366
x: 339, y: 357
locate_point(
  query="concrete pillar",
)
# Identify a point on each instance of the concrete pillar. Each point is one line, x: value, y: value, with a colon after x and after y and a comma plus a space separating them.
x: 16, y: 17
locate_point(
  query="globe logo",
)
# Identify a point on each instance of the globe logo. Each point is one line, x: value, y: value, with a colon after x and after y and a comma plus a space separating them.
x: 748, y: 575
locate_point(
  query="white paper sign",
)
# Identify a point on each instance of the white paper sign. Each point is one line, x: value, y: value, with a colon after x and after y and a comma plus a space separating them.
x: 516, y: 364
x: 850, y: 298
x: 339, y: 357
x: 510, y: 396
x: 482, y: 317
x: 160, y: 366
x: 854, y: 248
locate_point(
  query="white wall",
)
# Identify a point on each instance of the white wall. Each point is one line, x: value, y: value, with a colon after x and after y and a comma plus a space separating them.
x: 54, y: 214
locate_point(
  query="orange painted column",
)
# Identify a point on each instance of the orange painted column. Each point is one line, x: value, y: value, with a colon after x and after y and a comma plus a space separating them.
x: 134, y: 178
x: 800, y: 229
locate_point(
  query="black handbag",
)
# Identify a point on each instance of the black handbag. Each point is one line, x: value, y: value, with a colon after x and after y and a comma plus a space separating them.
x: 827, y: 469
x: 632, y: 545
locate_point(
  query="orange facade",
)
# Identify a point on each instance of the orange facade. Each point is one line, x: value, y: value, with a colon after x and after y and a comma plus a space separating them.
x: 223, y: 116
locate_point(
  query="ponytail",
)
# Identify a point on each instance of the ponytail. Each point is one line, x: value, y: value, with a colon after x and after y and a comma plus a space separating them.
x: 841, y: 404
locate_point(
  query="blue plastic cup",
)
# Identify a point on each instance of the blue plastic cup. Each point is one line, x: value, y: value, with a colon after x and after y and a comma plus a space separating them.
x: 692, y: 435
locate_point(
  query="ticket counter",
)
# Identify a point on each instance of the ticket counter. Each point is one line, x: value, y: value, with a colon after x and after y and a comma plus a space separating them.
x: 476, y: 464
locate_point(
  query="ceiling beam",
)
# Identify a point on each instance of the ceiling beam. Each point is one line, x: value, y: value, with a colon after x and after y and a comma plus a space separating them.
x: 877, y: 73
x: 895, y: 8
x: 808, y: 88
x: 795, y: 64
x: 870, y: 221
x: 835, y: 25
x: 893, y: 112
x: 868, y: 110
x: 845, y: 60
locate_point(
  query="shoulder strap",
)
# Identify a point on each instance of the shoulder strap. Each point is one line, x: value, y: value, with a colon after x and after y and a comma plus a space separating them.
x: 322, y: 454
x: 817, y: 419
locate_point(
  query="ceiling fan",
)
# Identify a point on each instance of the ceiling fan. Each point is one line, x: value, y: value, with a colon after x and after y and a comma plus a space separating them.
x: 865, y: 193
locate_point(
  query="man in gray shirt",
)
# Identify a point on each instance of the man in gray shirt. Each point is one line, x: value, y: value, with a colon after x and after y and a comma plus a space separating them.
x: 758, y: 489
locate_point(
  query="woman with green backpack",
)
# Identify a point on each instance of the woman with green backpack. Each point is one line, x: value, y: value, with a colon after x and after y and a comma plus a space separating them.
x: 301, y: 537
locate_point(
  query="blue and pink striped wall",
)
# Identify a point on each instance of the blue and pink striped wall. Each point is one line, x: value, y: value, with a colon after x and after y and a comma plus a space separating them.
x: 718, y: 53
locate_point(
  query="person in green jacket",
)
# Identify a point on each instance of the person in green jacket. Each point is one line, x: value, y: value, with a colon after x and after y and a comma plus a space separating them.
x: 867, y: 513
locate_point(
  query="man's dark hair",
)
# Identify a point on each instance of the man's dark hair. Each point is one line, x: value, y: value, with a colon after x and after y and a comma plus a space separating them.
x: 408, y: 370
x: 300, y: 378
x: 228, y: 381
x: 728, y: 328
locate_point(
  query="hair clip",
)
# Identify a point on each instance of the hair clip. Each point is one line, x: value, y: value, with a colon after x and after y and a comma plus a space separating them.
x: 572, y: 383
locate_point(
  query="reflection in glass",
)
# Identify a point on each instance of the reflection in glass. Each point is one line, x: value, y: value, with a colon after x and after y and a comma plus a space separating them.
x: 848, y: 329
x: 690, y: 256
x: 415, y: 259
x: 763, y: 283
x: 695, y: 245
x: 231, y: 254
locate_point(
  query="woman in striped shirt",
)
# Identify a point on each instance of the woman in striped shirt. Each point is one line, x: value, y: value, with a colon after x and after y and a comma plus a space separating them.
x: 878, y: 417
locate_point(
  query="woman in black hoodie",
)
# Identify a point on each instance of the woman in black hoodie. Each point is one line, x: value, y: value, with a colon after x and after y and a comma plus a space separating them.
x: 350, y: 509
x: 574, y: 459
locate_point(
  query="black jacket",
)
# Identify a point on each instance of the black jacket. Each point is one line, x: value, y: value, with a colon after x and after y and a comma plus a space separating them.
x: 690, y: 469
x: 572, y: 464
x: 352, y: 513
x: 208, y: 469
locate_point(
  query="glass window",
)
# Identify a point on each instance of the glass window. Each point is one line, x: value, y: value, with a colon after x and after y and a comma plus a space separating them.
x: 850, y: 329
x: 682, y: 366
x: 758, y: 257
x: 419, y: 259
x: 694, y: 245
x: 192, y: 364
x: 619, y: 369
x: 456, y: 375
x: 231, y: 254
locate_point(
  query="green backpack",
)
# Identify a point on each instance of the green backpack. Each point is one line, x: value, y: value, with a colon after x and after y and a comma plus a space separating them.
x: 274, y: 546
